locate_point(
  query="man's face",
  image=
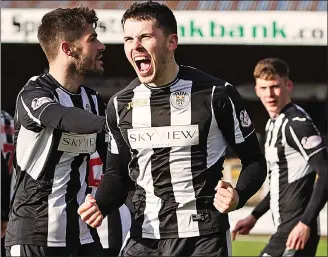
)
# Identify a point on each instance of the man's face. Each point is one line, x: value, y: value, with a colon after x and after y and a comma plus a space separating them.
x: 87, y: 53
x: 274, y: 94
x: 146, y: 48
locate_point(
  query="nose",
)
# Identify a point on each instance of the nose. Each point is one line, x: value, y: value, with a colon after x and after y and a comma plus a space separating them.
x: 136, y: 45
x: 271, y: 92
x: 268, y: 92
x: 101, y: 47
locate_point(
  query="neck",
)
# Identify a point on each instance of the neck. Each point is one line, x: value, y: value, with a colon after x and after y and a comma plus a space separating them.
x: 67, y: 79
x: 169, y: 74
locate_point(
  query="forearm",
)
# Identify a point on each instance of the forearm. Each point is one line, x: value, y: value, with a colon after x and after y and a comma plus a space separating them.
x: 262, y: 207
x: 319, y: 195
x: 113, y: 189
x: 72, y: 119
x: 251, y: 179
x: 111, y: 194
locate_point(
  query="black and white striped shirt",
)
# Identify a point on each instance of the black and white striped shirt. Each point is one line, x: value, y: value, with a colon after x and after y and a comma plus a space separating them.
x: 53, y: 163
x: 7, y: 138
x: 291, y: 141
x: 177, y: 135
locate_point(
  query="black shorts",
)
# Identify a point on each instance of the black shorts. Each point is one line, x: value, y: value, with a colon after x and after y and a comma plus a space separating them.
x: 92, y: 249
x: 277, y: 244
x: 217, y: 244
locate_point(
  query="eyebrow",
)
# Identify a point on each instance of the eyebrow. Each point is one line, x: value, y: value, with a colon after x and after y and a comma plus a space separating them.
x: 142, y: 35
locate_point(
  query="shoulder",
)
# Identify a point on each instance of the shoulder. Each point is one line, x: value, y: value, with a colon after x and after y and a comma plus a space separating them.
x: 295, y: 112
x: 38, y: 83
x: 198, y: 76
x: 6, y: 115
x: 201, y: 81
x: 125, y: 91
x: 297, y: 116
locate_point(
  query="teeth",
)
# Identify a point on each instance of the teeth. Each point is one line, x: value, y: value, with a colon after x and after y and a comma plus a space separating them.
x: 140, y: 58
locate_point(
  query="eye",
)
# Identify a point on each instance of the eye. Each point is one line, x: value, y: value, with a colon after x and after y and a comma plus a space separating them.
x: 145, y: 37
x: 128, y: 39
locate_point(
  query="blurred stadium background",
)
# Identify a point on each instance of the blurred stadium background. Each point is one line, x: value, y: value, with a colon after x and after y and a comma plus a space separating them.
x: 223, y: 38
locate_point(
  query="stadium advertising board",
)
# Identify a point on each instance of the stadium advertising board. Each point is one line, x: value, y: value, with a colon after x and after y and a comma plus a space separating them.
x: 194, y: 27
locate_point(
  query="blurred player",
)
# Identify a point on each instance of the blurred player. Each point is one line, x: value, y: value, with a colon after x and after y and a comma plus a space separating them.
x: 173, y: 124
x: 8, y: 172
x: 7, y: 138
x: 295, y: 153
x: 5, y: 197
x: 58, y: 124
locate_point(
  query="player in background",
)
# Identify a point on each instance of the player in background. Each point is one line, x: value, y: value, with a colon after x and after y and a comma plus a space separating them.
x: 295, y: 154
x: 8, y: 172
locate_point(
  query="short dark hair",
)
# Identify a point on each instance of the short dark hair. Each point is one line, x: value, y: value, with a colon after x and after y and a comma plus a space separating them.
x: 152, y: 10
x: 267, y: 68
x: 63, y: 24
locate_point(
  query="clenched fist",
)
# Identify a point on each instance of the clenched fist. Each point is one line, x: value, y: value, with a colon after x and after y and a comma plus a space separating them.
x: 226, y: 198
x: 90, y: 212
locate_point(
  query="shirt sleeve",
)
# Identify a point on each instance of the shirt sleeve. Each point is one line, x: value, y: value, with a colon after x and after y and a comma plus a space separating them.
x: 115, y: 185
x: 237, y: 129
x: 38, y: 108
x: 303, y: 136
x: 262, y: 207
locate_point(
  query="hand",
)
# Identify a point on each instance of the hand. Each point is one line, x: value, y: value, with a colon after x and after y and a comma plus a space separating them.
x: 3, y: 228
x: 90, y: 212
x: 226, y: 198
x: 298, y: 237
x: 244, y: 226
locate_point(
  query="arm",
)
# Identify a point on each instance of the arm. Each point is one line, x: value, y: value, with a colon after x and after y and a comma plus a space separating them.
x: 239, y: 132
x: 116, y: 182
x: 319, y: 195
x: 262, y: 207
x: 244, y: 226
x: 38, y: 107
x: 302, y: 135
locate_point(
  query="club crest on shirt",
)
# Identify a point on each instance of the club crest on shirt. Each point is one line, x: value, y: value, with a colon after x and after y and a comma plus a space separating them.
x: 245, y: 119
x: 179, y: 99
x: 311, y: 142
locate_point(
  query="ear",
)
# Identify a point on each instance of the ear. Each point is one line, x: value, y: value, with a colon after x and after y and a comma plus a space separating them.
x: 172, y: 42
x: 290, y: 86
x: 66, y: 48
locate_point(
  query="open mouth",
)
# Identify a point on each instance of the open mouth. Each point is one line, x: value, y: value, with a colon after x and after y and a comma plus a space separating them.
x: 143, y: 64
x: 271, y: 103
